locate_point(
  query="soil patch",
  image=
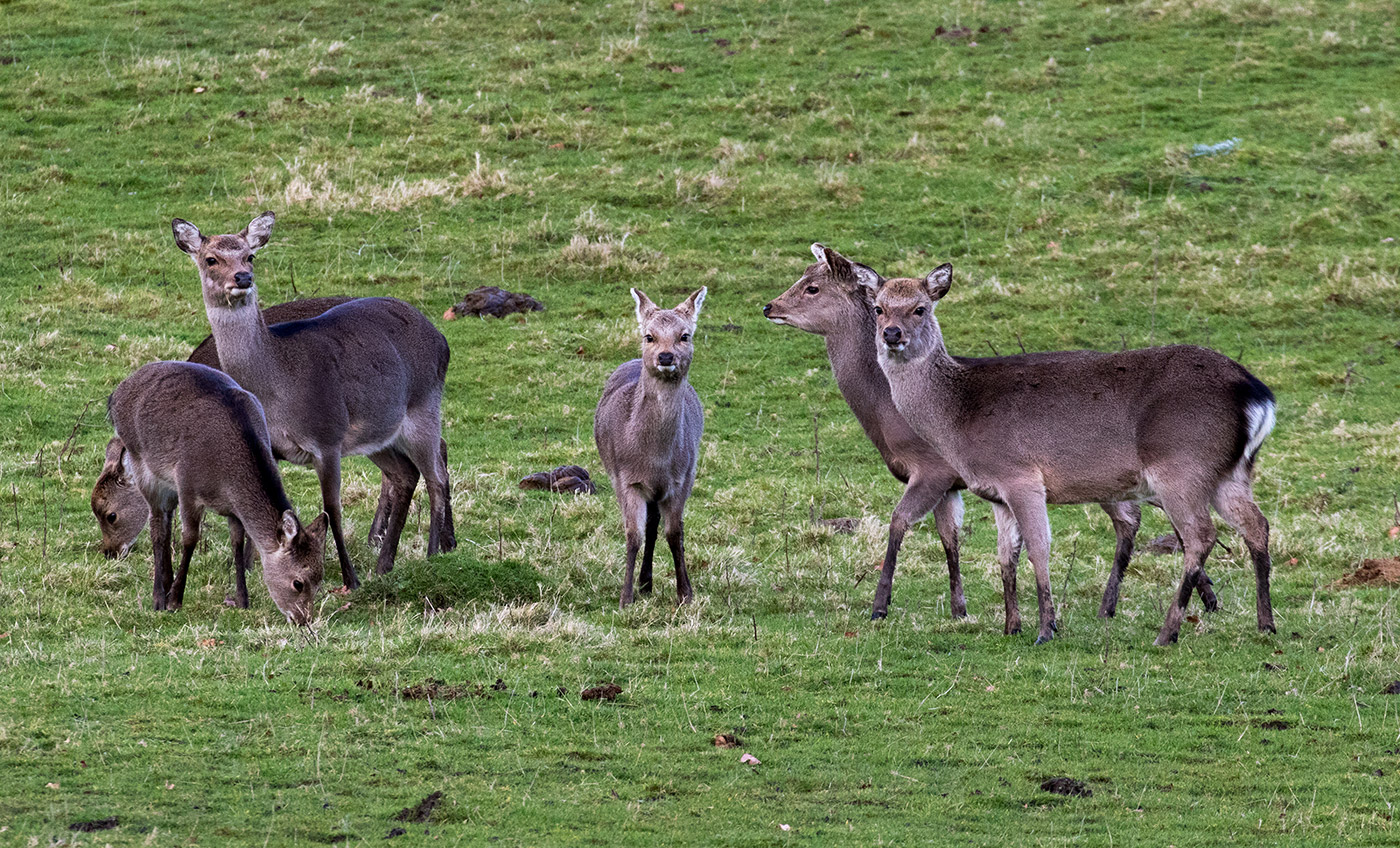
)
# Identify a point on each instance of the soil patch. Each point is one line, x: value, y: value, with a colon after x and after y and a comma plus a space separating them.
x: 568, y: 479
x: 494, y: 301
x: 95, y: 825
x: 1392, y: 689
x: 439, y: 690
x: 602, y: 692
x: 421, y: 813
x: 1373, y: 572
x: 726, y: 740
x: 1067, y: 786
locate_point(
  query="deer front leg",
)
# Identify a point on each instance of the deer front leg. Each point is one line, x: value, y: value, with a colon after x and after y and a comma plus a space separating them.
x: 328, y: 472
x: 242, y: 559
x: 1126, y: 518
x: 189, y: 538
x: 161, y: 576
x: 634, y: 511
x: 648, y: 547
x: 1029, y: 509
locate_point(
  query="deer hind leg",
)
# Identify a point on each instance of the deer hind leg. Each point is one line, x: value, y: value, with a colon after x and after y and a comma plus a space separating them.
x: 400, y: 477
x: 1008, y: 553
x: 634, y: 512
x: 1034, y: 522
x: 1126, y: 517
x: 327, y: 468
x: 161, y: 576
x: 648, y: 547
x: 242, y: 559
x: 424, y: 446
x: 1191, y: 520
x: 387, y: 492
x: 448, y: 542
x: 675, y: 538
x: 189, y: 537
x: 1234, y: 500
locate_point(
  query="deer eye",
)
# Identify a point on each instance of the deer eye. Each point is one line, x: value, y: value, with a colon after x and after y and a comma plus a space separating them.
x: 685, y: 337
x: 211, y: 261
x: 249, y: 258
x: 649, y: 339
x: 812, y: 290
x: 111, y: 518
x: 879, y: 311
x: 298, y: 585
x: 918, y: 310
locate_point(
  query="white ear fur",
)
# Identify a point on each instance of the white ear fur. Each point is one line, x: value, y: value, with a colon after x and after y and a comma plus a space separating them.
x: 819, y: 251
x: 290, y: 527
x: 939, y: 280
x: 866, y: 276
x: 187, y: 236
x: 692, y: 304
x: 259, y: 230
x: 644, y: 307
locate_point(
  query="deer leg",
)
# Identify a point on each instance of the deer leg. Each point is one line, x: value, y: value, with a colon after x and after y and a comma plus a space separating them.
x: 1034, y: 523
x: 189, y: 537
x: 648, y: 547
x: 242, y: 558
x: 1192, y: 523
x: 1126, y: 518
x: 387, y: 491
x: 448, y: 542
x: 919, y: 498
x: 328, y: 472
x: 429, y: 457
x: 675, y: 539
x: 1008, y: 553
x: 1235, y: 503
x: 400, y: 476
x: 160, y: 547
x: 633, y: 525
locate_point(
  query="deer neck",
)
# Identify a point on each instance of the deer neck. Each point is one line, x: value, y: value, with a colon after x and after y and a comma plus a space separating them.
x: 656, y: 407
x: 245, y: 346
x: 930, y: 387
x: 260, y: 510
x: 855, y: 364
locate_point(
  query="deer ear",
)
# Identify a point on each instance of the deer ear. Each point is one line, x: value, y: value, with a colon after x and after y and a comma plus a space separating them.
x: 259, y: 230
x: 317, y: 528
x: 690, y: 307
x: 113, y: 463
x: 187, y: 236
x: 289, y: 528
x: 939, y: 280
x: 840, y: 266
x: 866, y: 277
x: 819, y: 251
x: 644, y: 306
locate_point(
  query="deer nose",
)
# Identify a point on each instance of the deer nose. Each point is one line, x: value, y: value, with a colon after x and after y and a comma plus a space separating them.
x: 665, y: 359
x: 243, y: 278
x: 767, y: 308
x: 893, y: 335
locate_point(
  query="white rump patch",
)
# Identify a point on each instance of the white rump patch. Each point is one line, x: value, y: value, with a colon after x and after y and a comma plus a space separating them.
x: 1259, y: 418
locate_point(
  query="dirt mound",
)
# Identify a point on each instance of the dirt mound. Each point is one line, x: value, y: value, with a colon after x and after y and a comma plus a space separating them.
x: 422, y: 812
x: 602, y: 692
x: 569, y: 479
x: 494, y: 301
x: 439, y: 690
x: 1373, y: 572
x: 1067, y: 786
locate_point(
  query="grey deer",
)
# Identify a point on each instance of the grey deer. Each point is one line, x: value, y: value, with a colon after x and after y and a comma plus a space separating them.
x: 192, y: 438
x: 1179, y: 425
x: 833, y: 299
x: 121, y: 510
x: 362, y: 378
x: 647, y: 427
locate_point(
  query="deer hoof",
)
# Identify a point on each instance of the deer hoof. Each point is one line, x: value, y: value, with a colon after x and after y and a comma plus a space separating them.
x: 879, y: 614
x: 1041, y: 640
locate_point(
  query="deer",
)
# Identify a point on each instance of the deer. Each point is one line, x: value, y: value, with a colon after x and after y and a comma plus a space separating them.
x: 647, y: 427
x: 833, y: 299
x: 191, y: 438
x: 1180, y: 426
x: 121, y: 510
x: 364, y: 378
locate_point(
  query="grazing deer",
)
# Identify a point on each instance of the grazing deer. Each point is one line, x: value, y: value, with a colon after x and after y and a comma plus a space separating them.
x: 832, y: 299
x: 121, y: 511
x: 1179, y: 425
x: 647, y: 427
x: 363, y: 378
x: 190, y: 437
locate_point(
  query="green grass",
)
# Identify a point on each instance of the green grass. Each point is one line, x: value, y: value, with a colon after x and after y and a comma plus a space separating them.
x: 570, y: 151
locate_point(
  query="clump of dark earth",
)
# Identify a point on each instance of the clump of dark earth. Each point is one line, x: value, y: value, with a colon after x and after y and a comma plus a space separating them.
x: 1067, y: 786
x: 499, y: 685
x: 1275, y: 725
x: 726, y: 740
x: 439, y: 690
x: 568, y: 479
x: 398, y: 831
x: 602, y: 692
x: 1167, y: 543
x: 1392, y: 689
x: 494, y: 301
x: 1373, y: 572
x: 94, y: 825
x: 845, y: 526
x: 731, y: 328
x: 421, y: 813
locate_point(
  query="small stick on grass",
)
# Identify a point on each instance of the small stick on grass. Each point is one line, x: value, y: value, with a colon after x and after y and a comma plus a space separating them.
x: 64, y: 451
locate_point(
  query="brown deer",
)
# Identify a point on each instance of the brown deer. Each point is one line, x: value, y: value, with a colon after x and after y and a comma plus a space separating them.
x: 121, y: 511
x: 1178, y: 425
x: 832, y: 299
x: 192, y: 438
x: 363, y: 378
x: 647, y: 427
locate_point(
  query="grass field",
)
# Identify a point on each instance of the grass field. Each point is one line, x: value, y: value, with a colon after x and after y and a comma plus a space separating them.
x: 420, y: 149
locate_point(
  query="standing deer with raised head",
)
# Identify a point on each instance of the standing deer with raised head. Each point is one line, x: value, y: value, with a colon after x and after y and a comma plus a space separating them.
x: 1178, y: 425
x: 121, y: 510
x: 363, y: 378
x: 833, y: 299
x: 191, y: 437
x: 647, y: 427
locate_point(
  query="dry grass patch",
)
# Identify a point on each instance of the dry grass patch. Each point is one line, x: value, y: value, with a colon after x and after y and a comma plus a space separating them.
x: 330, y: 186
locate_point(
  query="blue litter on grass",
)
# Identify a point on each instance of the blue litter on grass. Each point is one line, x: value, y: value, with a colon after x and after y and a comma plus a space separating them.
x: 1220, y: 147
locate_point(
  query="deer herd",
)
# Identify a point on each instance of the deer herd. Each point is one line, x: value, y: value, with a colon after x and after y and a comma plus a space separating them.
x: 308, y: 382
